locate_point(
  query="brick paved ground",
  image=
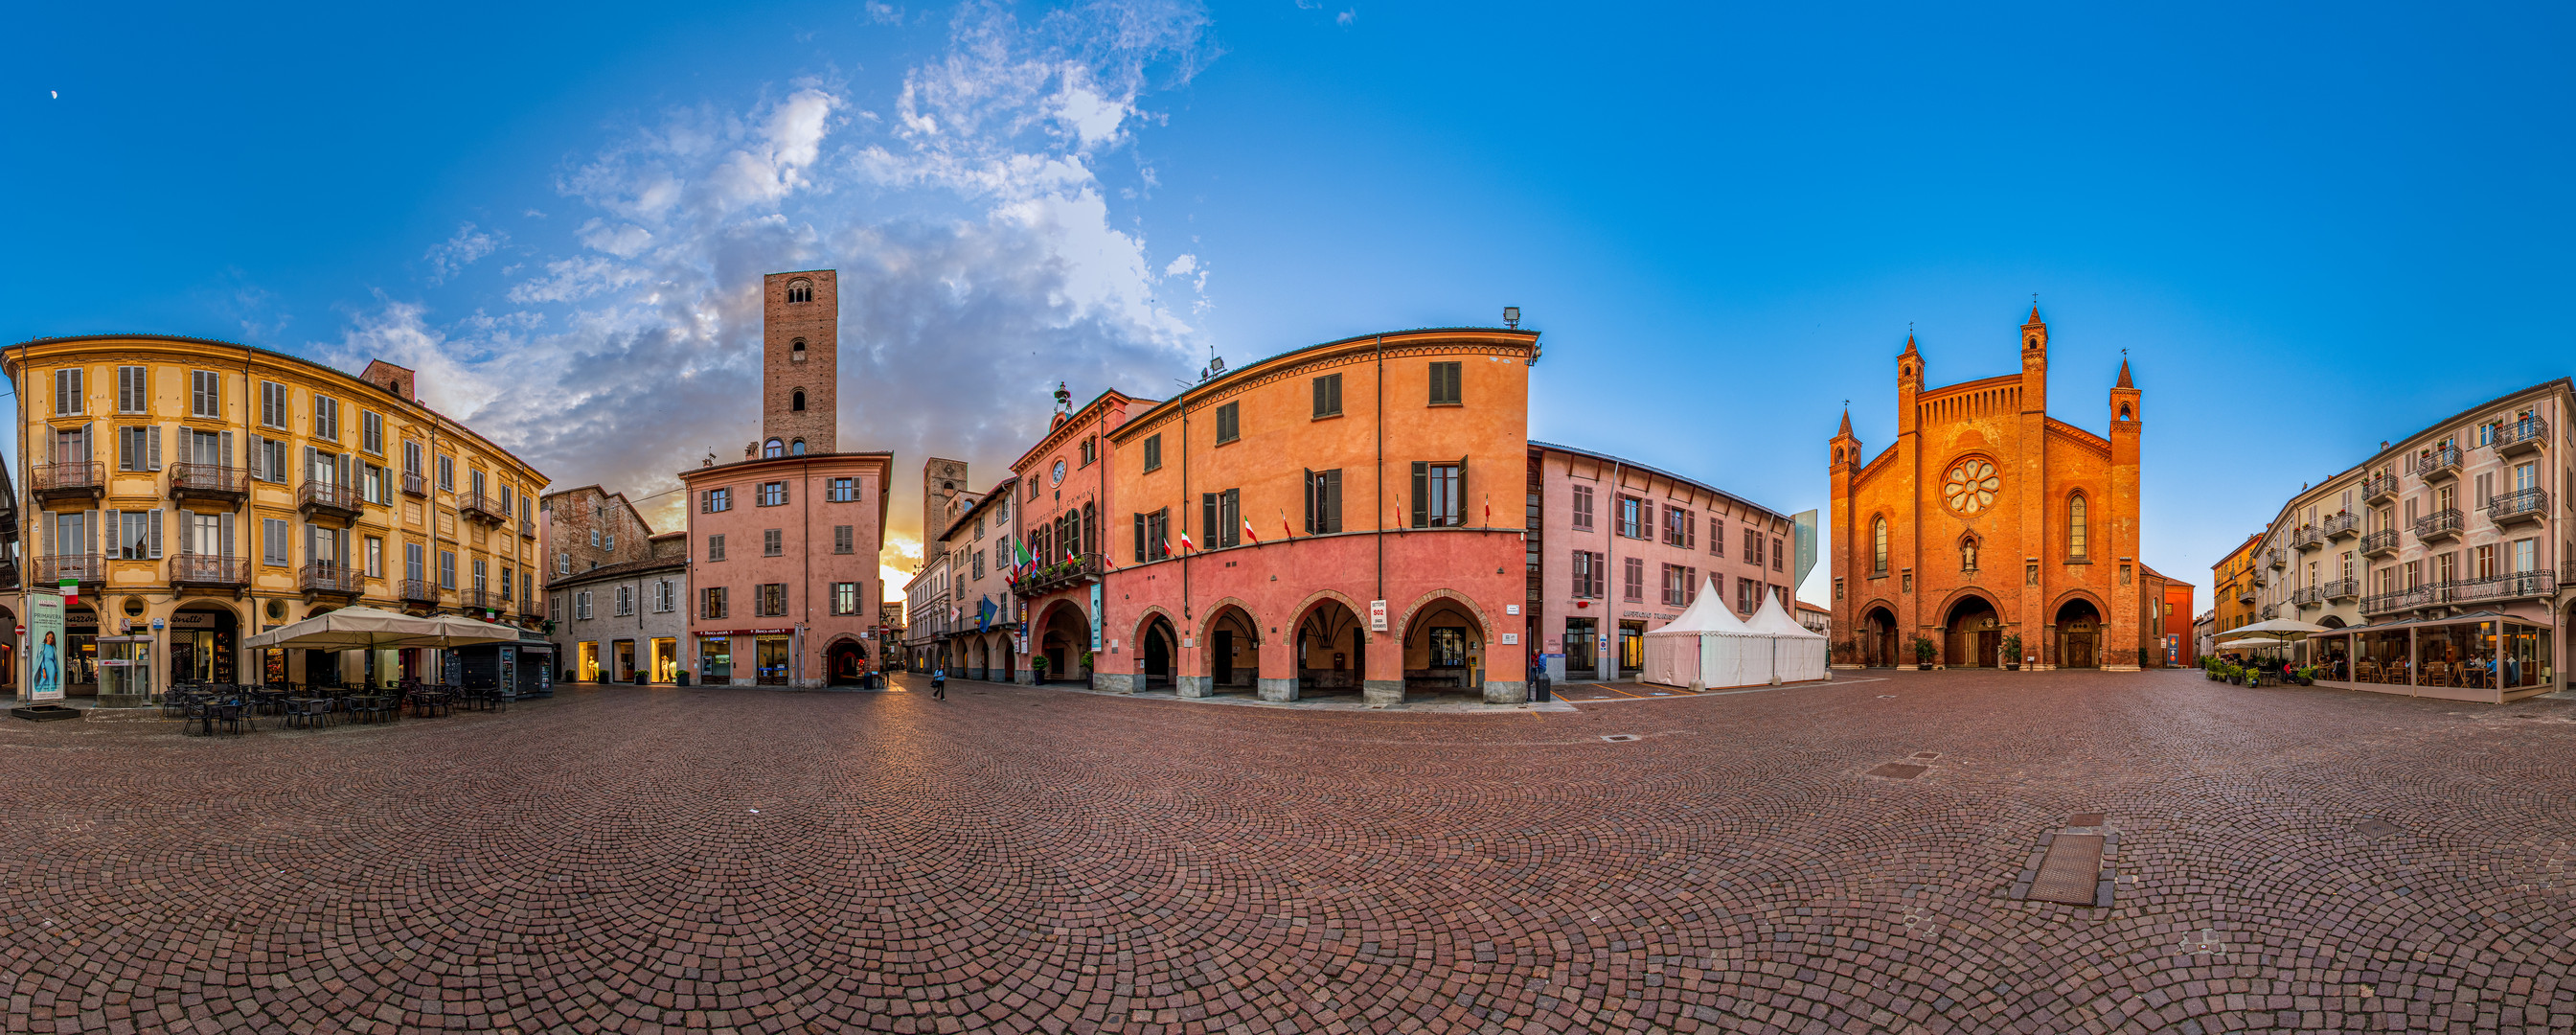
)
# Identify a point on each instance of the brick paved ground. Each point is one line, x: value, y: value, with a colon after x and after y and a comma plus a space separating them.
x: 1013, y: 859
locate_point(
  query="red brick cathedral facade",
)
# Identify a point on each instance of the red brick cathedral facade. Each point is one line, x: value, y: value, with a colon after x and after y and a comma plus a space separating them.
x: 1988, y: 518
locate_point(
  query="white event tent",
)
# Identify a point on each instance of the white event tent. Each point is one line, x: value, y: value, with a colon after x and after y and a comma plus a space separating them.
x: 1706, y: 646
x: 1799, y: 652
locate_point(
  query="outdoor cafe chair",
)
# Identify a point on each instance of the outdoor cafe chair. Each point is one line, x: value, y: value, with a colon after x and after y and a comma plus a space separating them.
x: 306, y: 713
x: 235, y: 717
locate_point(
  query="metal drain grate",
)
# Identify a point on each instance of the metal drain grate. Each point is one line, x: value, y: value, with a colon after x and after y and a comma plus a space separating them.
x: 2086, y: 819
x: 2374, y: 829
x: 1619, y: 738
x: 1899, y: 771
x: 1927, y: 754
x: 2072, y: 872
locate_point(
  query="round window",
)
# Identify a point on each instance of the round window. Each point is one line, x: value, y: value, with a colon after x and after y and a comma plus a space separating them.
x: 1970, y: 489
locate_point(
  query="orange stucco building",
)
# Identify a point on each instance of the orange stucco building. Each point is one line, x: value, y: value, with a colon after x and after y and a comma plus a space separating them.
x: 1989, y: 518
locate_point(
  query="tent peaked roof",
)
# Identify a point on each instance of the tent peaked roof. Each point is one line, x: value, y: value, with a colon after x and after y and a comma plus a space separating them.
x: 1773, y: 620
x: 1708, y: 614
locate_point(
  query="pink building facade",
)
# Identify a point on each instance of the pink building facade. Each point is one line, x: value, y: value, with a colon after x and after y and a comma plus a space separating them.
x: 784, y: 544
x: 1617, y: 549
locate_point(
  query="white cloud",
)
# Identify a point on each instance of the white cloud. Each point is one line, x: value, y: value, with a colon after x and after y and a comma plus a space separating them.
x: 453, y: 255
x: 1346, y: 17
x: 980, y: 263
x: 884, y: 14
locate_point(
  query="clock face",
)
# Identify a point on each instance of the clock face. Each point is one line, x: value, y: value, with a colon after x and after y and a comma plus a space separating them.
x: 1971, y: 486
x: 1059, y: 473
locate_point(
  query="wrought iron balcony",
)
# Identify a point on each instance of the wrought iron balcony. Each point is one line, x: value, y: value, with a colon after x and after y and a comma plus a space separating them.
x: 2308, y: 537
x: 2379, y: 487
x: 222, y: 483
x: 527, y: 530
x: 207, y: 570
x: 2441, y: 464
x: 79, y: 479
x: 2518, y: 506
x: 2342, y: 526
x: 415, y: 485
x: 2526, y: 435
x: 323, y: 499
x: 2438, y: 525
x: 1080, y: 571
x: 2518, y: 585
x: 87, y: 569
x: 484, y: 507
x: 2271, y: 611
x: 479, y: 599
x: 419, y: 591
x: 2245, y: 594
x: 2380, y: 543
x: 329, y: 578
x: 8, y: 576
x: 2275, y: 557
x: 2398, y: 600
x: 2339, y: 589
x: 2307, y: 596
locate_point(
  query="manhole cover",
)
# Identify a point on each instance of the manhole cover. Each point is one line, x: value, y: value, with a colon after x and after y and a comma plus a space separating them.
x: 1619, y: 737
x: 2072, y: 873
x: 1927, y: 754
x: 1899, y: 771
x: 1887, y: 697
x: 2374, y: 829
x: 2086, y: 819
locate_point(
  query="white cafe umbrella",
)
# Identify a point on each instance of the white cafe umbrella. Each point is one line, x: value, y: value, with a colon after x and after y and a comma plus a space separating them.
x: 2287, y: 628
x: 355, y: 628
x: 466, y: 632
x: 2254, y: 641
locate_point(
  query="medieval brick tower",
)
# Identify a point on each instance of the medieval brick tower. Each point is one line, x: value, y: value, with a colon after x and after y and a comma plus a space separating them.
x: 800, y: 362
x: 941, y: 480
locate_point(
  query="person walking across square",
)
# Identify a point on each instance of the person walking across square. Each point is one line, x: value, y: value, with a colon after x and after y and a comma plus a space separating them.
x: 939, y: 683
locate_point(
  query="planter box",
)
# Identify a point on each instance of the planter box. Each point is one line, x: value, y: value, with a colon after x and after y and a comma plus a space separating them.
x: 45, y: 712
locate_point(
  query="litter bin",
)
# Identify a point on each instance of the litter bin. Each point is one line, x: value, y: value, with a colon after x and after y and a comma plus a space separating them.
x: 1541, y: 688
x: 639, y: 678
x: 684, y: 677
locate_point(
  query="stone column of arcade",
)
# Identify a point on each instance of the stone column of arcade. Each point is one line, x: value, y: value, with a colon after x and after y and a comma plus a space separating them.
x: 1382, y: 683
x: 1277, y: 680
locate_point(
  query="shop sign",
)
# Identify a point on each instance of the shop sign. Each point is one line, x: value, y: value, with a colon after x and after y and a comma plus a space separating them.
x: 1377, y: 616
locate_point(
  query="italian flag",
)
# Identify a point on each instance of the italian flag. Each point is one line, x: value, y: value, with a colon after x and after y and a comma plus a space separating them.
x: 1247, y: 531
x: 1186, y: 544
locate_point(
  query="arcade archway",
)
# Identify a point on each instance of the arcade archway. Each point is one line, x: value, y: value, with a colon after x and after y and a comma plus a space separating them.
x: 1063, y: 640
x: 1158, y: 648
x: 845, y: 664
x: 1444, y: 650
x: 2079, y: 635
x: 1974, y: 634
x: 1332, y: 649
x: 1878, y: 638
x: 1231, y: 654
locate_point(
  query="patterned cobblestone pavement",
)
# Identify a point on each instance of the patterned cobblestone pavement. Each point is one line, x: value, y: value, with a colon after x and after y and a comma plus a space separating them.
x: 650, y: 860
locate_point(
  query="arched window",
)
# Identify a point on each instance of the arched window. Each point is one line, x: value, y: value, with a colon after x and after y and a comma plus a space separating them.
x: 800, y: 291
x: 2124, y: 411
x: 2075, y: 527
x: 796, y: 448
x: 1878, y: 546
x: 796, y: 351
x: 796, y: 401
x: 773, y: 448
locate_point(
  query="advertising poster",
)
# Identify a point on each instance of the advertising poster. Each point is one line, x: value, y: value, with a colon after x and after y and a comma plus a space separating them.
x: 1804, y: 524
x: 45, y: 645
x: 1095, y: 616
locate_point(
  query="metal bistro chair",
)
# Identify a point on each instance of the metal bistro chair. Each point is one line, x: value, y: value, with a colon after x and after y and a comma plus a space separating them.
x: 306, y: 714
x: 236, y: 718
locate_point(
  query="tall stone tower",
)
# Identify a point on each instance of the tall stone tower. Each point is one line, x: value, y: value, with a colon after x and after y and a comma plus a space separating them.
x: 941, y: 481
x: 800, y: 361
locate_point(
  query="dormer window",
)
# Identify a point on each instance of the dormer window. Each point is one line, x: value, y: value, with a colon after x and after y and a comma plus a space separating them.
x: 800, y: 291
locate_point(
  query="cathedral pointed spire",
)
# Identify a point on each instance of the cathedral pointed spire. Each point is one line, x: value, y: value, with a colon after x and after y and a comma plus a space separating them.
x: 2124, y: 374
x: 1846, y: 420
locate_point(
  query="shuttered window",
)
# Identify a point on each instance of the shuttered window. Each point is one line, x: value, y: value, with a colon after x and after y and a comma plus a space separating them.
x: 1634, y: 587
x: 1439, y: 493
x: 272, y: 541
x: 845, y: 538
x: 1323, y: 502
x: 272, y: 405
x: 1229, y: 423
x: 772, y: 543
x: 1153, y: 456
x: 1328, y: 395
x: 1444, y: 384
x: 1221, y: 518
x: 1582, y: 507
x: 205, y: 394
x: 138, y: 448
x: 133, y: 389
x: 67, y: 392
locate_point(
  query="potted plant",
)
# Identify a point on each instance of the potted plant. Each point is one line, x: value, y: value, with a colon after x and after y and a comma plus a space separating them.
x: 1037, y: 669
x: 2012, y: 652
x: 1922, y: 654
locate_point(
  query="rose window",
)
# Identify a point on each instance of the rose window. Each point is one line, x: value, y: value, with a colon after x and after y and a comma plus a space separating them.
x: 1971, y: 486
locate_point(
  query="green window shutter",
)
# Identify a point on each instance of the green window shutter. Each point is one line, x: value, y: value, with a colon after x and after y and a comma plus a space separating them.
x: 1309, y: 496
x: 1421, y: 493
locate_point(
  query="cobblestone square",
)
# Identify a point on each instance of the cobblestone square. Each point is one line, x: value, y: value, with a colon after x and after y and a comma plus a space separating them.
x: 1017, y: 859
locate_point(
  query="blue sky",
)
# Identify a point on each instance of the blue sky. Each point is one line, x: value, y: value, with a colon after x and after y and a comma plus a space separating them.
x: 2312, y: 227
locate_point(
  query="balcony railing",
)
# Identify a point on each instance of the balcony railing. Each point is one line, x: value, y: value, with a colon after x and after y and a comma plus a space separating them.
x: 415, y: 485
x: 483, y: 506
x: 2271, y: 611
x: 419, y: 591
x: 326, y: 498
x: 2307, y: 596
x: 2511, y: 586
x: 527, y: 530
x: 329, y: 577
x: 221, y: 482
x: 2342, y: 526
x: 2275, y: 557
x: 479, y: 599
x: 79, y: 478
x: 2378, y: 487
x: 2440, y: 524
x: 2520, y: 585
x: 2518, y: 506
x: 1080, y: 571
x: 83, y: 568
x: 2308, y: 537
x: 2439, y: 464
x: 2245, y: 595
x: 190, y: 569
x: 2522, y: 436
x: 2340, y: 589
x: 2380, y: 542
